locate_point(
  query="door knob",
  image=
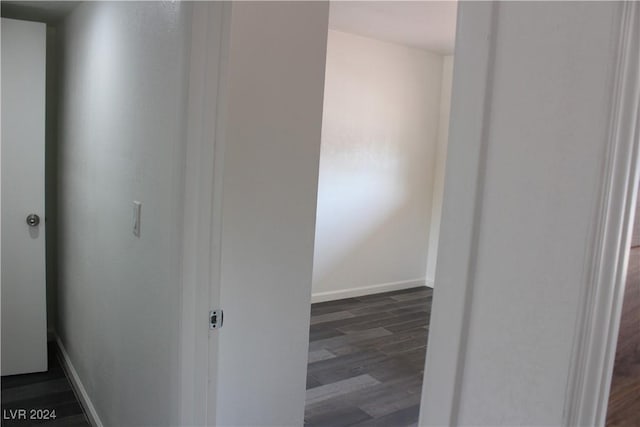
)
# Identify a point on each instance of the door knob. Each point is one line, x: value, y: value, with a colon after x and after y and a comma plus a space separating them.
x: 33, y: 220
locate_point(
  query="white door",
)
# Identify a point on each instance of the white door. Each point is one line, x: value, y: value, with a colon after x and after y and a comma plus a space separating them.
x: 271, y: 120
x: 24, y: 317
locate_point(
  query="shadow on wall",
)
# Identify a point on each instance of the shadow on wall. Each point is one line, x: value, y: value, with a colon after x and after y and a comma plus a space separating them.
x: 379, y: 143
x: 372, y: 228
x: 354, y: 260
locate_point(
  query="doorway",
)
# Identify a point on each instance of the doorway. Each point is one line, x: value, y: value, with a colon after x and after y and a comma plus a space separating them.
x: 31, y: 389
x: 384, y: 140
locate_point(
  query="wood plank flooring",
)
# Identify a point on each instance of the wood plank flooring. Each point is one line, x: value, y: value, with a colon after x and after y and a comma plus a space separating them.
x: 49, y: 391
x: 624, y: 400
x: 366, y: 359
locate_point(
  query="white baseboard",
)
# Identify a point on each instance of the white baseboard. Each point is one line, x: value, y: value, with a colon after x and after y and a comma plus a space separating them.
x: 78, y: 387
x: 366, y: 290
x: 429, y: 283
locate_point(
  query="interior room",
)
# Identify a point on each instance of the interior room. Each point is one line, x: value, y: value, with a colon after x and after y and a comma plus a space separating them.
x: 383, y: 149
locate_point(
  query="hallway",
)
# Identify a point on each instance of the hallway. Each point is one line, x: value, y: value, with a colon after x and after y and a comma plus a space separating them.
x: 49, y: 392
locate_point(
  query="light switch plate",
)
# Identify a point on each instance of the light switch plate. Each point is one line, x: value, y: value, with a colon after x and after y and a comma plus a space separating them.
x: 137, y: 207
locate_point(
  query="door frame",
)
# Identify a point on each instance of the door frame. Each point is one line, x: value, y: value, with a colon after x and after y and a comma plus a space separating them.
x: 599, y: 320
x: 442, y: 405
x: 595, y: 342
x: 201, y: 226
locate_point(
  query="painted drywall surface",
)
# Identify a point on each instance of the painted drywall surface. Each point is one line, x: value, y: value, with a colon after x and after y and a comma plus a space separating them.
x: 122, y: 124
x: 546, y: 132
x: 379, y: 139
x: 441, y: 159
x: 272, y: 131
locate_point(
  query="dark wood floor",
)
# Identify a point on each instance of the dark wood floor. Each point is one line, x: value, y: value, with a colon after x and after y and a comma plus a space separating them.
x: 624, y: 400
x: 366, y: 359
x: 48, y: 391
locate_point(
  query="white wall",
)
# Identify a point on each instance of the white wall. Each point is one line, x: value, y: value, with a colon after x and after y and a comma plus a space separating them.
x: 379, y: 143
x: 121, y: 133
x: 271, y: 127
x: 439, y: 169
x: 515, y: 264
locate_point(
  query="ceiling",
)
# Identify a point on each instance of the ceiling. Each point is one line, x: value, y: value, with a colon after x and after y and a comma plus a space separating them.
x: 46, y: 11
x: 428, y: 25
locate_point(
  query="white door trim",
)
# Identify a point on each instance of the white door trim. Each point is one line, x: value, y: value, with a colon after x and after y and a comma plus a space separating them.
x: 453, y: 299
x: 200, y: 231
x: 595, y: 344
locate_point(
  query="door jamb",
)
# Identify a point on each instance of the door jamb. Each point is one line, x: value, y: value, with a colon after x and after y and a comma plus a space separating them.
x: 594, y: 345
x: 453, y: 295
x: 200, y: 222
